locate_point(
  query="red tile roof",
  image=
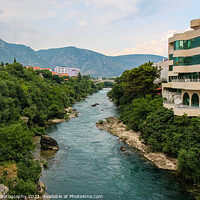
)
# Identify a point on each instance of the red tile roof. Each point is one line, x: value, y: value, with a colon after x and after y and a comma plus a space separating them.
x: 63, y: 74
x: 34, y: 68
x: 54, y: 73
x: 46, y: 69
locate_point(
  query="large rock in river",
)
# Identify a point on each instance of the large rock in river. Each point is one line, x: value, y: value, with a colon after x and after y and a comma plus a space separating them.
x: 48, y: 143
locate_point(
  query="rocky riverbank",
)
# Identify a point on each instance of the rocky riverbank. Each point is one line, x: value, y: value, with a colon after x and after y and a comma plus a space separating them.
x: 71, y: 113
x: 117, y: 128
x: 46, y: 147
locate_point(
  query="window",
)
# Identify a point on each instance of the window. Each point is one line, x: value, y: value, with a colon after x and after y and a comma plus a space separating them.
x: 170, y: 56
x: 195, y: 100
x: 185, y: 61
x: 186, y: 99
x: 187, y: 44
x: 170, y: 67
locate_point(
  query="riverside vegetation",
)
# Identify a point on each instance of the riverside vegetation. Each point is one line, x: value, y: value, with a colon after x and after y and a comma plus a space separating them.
x: 28, y: 99
x: 142, y: 110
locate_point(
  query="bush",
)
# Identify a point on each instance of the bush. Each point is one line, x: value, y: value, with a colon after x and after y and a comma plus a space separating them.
x: 101, y: 121
x: 108, y: 120
x: 16, y: 140
x: 25, y: 188
x: 189, y: 162
x: 29, y: 170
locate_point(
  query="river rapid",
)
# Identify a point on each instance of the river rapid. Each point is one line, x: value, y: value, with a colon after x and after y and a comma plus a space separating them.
x: 90, y: 162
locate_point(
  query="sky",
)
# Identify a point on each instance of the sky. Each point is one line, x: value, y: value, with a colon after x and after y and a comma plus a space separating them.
x: 111, y: 27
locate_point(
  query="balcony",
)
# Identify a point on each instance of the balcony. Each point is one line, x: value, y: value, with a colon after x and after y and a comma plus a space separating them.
x: 185, y: 83
x: 181, y: 109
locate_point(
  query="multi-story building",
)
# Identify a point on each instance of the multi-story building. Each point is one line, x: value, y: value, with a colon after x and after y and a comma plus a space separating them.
x: 69, y: 70
x: 163, y: 66
x: 183, y: 88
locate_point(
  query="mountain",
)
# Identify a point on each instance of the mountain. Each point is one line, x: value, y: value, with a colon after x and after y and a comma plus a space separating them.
x: 94, y: 63
x: 88, y: 61
x: 22, y: 53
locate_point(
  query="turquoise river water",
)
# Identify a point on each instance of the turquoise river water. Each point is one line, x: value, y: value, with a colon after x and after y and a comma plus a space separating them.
x: 90, y: 162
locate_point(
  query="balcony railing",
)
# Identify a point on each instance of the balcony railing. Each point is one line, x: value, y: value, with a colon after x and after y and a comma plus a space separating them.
x: 185, y: 80
x: 180, y: 105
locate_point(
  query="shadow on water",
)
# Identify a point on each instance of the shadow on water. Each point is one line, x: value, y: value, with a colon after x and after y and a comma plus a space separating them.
x: 90, y: 162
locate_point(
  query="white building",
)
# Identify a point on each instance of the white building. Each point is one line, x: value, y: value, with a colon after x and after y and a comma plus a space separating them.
x: 69, y: 70
x: 164, y: 66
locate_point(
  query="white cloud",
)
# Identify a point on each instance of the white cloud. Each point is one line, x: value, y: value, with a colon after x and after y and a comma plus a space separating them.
x: 36, y: 9
x: 157, y: 47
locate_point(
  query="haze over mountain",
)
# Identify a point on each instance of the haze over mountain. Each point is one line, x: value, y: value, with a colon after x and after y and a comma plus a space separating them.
x: 88, y: 61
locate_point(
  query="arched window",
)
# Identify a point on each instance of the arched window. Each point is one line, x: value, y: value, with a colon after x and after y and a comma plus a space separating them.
x: 195, y: 100
x: 186, y: 99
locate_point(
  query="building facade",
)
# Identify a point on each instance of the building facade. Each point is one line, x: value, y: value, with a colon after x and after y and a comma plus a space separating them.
x: 182, y: 92
x: 69, y: 70
x: 163, y: 66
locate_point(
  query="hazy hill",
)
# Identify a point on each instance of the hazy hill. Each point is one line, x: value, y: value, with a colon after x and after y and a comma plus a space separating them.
x: 94, y: 63
x: 22, y: 53
x: 89, y: 62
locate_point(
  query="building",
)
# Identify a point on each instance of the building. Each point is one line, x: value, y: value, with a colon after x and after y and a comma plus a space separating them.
x: 69, y: 70
x: 163, y: 65
x: 182, y: 92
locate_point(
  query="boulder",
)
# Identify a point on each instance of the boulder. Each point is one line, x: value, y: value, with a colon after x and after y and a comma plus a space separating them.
x: 41, y: 187
x: 123, y: 148
x: 96, y: 104
x: 48, y: 143
x: 122, y: 139
x: 3, y: 191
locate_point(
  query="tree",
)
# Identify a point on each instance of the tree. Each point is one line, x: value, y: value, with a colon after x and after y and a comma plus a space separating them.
x: 135, y: 83
x: 29, y: 170
x: 15, y: 60
x: 16, y: 141
x: 189, y: 162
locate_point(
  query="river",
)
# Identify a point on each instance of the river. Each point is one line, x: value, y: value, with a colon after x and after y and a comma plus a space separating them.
x: 90, y: 162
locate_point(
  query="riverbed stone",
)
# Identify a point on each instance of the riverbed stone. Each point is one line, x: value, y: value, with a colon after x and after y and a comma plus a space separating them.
x: 41, y: 187
x: 123, y: 148
x: 48, y: 143
x: 95, y: 104
x: 3, y: 191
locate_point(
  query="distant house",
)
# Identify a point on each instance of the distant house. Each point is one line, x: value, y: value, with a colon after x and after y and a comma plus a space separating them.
x: 163, y: 66
x: 62, y: 74
x: 38, y: 68
x: 69, y: 70
x: 54, y: 73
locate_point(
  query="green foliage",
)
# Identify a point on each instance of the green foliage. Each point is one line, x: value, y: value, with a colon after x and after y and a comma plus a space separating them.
x: 29, y: 170
x: 189, y: 162
x: 25, y: 188
x: 16, y: 142
x: 141, y: 110
x: 134, y: 83
x: 135, y: 113
x: 45, y: 165
x: 108, y: 120
x: 28, y: 99
x: 101, y: 122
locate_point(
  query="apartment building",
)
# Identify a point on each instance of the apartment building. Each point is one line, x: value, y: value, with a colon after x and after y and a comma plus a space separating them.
x: 69, y: 70
x: 182, y: 92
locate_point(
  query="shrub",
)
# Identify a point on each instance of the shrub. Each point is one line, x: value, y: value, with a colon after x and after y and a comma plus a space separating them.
x: 101, y: 121
x: 25, y: 188
x: 29, y: 170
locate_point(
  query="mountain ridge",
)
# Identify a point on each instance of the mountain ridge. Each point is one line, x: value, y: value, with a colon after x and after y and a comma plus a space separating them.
x: 89, y: 62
